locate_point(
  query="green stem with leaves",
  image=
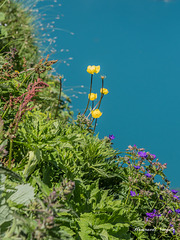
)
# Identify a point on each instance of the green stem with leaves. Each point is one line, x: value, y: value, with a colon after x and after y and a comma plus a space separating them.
x: 59, y: 100
x: 99, y: 104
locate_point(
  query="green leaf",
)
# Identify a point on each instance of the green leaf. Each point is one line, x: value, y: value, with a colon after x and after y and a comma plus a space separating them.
x: 2, y: 16
x: 23, y: 195
x: 7, y: 171
x: 5, y: 215
x: 34, y: 159
x: 44, y: 188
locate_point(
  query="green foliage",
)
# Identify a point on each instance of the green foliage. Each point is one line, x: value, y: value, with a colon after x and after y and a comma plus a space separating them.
x: 18, y: 35
x: 13, y: 197
x: 58, y: 180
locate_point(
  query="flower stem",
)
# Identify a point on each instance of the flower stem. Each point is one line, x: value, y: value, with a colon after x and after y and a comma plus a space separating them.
x: 101, y: 93
x: 5, y: 112
x: 99, y: 103
x: 59, y: 100
x: 95, y: 125
x: 10, y: 153
x: 89, y: 93
x: 92, y: 109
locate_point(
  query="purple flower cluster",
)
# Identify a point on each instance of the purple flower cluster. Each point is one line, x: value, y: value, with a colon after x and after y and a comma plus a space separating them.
x: 153, y: 214
x: 174, y: 191
x: 177, y: 210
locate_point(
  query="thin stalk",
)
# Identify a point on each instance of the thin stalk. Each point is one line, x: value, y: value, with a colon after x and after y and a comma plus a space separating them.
x: 127, y: 197
x: 95, y: 125
x: 3, y: 3
x: 92, y: 109
x: 59, y: 100
x: 89, y: 93
x: 101, y: 93
x: 5, y: 112
x: 99, y: 103
x: 10, y: 153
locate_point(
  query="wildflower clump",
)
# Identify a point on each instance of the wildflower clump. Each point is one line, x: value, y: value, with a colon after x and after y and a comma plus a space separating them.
x: 94, y: 110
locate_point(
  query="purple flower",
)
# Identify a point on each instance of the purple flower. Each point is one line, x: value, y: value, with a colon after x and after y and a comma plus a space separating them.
x: 177, y: 210
x: 150, y: 215
x: 148, y: 175
x: 129, y: 162
x: 174, y: 191
x: 136, y: 167
x: 171, y: 225
x: 153, y: 214
x: 111, y: 137
x: 153, y: 156
x: 176, y: 197
x: 170, y: 211
x: 174, y: 232
x: 142, y: 154
x: 134, y: 146
x: 161, y: 197
x: 132, y: 193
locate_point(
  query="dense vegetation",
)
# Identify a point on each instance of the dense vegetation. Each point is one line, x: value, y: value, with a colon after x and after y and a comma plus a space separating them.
x: 58, y: 180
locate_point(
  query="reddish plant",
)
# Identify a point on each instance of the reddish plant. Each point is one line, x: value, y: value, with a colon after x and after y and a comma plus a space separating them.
x: 24, y: 100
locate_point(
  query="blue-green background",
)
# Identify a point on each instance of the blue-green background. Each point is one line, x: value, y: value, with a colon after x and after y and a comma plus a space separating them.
x: 137, y: 45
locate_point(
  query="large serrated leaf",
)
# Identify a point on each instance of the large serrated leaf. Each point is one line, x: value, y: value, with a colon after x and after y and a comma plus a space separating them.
x: 5, y: 215
x: 23, y: 195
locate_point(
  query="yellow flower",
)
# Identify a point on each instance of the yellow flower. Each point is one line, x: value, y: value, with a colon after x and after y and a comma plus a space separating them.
x: 92, y: 96
x: 97, y: 69
x: 16, y: 71
x: 104, y: 91
x: 96, y: 113
x: 93, y: 69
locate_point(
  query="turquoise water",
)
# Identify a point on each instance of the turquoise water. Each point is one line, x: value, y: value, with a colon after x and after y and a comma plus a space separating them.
x: 137, y: 45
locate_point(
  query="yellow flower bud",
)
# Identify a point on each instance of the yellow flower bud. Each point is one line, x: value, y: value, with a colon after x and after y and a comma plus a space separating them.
x: 97, y: 69
x: 104, y: 91
x: 93, y: 69
x: 92, y: 96
x: 96, y: 113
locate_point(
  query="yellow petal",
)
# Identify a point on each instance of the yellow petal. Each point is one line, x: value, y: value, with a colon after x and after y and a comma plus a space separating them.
x: 104, y: 91
x: 91, y: 69
x: 92, y: 96
x: 97, y: 69
x: 96, y: 113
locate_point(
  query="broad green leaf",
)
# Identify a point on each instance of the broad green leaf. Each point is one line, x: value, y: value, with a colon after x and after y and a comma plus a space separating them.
x: 23, y: 195
x: 5, y: 215
x: 2, y: 16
